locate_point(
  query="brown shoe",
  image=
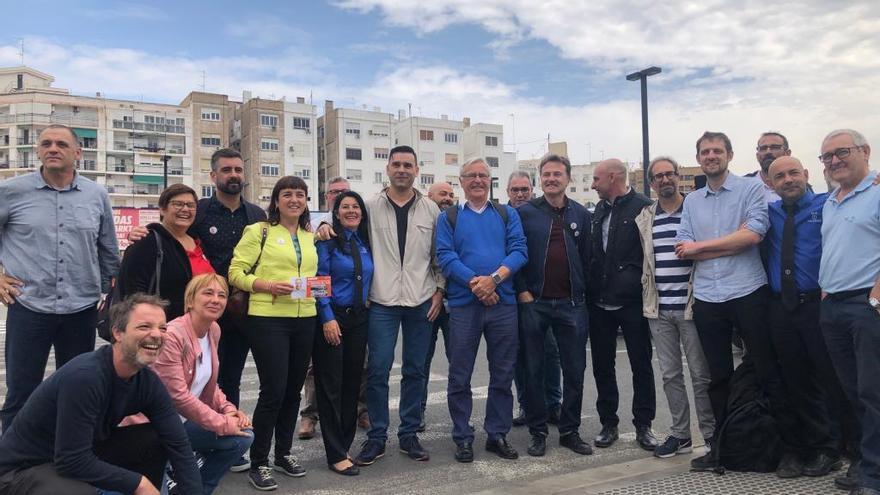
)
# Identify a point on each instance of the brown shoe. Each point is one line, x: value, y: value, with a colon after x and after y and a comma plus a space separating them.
x: 306, y: 427
x: 364, y: 420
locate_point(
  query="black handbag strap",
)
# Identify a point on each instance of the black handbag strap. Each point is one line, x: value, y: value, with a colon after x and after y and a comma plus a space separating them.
x: 157, y: 276
x: 262, y: 243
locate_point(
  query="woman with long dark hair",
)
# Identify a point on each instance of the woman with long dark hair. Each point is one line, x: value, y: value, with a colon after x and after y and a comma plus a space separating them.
x: 272, y: 261
x: 341, y: 342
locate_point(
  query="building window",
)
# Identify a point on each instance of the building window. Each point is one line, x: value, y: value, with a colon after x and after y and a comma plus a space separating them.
x: 207, y: 191
x: 491, y: 140
x: 268, y: 120
x: 353, y: 128
x: 380, y: 153
x: 269, y: 144
x: 210, y: 140
x: 427, y: 159
x: 205, y: 165
x: 379, y: 130
x: 270, y: 170
x: 452, y: 180
x: 304, y: 173
x: 210, y: 114
x: 353, y: 174
x: 492, y: 161
x: 451, y: 137
x: 451, y: 158
x: 301, y: 123
x: 353, y: 154
x: 321, y: 132
x: 378, y: 178
x: 426, y: 135
x: 427, y: 179
x: 573, y: 189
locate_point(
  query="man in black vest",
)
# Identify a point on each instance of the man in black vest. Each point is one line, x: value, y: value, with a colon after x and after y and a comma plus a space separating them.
x: 615, y: 295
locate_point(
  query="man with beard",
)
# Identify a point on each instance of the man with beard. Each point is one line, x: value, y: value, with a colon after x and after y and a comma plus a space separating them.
x: 67, y: 439
x: 519, y: 192
x: 667, y: 303
x: 771, y: 145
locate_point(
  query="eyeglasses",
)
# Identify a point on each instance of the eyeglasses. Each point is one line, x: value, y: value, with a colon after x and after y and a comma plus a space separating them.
x: 519, y: 190
x: 770, y: 147
x: 840, y: 153
x: 475, y: 176
x: 663, y: 175
x: 179, y: 205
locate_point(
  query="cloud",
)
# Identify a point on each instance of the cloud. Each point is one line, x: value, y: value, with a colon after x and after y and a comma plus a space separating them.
x: 131, y: 11
x: 268, y: 32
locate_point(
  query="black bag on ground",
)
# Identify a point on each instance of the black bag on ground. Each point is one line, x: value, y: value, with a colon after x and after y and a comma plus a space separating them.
x: 749, y: 439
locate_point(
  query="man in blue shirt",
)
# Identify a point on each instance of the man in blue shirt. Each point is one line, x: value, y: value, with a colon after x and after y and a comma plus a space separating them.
x: 848, y: 275
x: 479, y: 252
x: 58, y: 250
x: 793, y: 247
x: 721, y: 227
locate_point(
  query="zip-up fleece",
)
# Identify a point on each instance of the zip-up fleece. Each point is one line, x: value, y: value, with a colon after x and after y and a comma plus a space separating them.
x: 650, y: 297
x: 414, y: 281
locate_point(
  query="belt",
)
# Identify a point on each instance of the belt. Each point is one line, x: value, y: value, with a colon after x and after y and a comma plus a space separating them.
x: 348, y: 310
x: 848, y: 294
x: 803, y: 297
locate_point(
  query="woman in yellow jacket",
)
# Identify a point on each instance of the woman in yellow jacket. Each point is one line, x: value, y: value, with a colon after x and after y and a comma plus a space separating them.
x: 271, y: 262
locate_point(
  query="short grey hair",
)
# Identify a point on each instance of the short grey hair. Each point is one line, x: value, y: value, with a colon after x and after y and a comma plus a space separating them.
x: 336, y: 180
x: 472, y: 161
x: 519, y: 174
x: 662, y: 159
x: 857, y: 137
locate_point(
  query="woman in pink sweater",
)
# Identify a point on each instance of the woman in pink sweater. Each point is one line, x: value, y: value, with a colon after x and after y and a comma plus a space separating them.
x: 187, y: 365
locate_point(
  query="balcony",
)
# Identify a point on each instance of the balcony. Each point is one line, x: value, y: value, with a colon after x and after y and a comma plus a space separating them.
x: 149, y: 127
x: 132, y: 190
x: 13, y: 164
x: 46, y: 118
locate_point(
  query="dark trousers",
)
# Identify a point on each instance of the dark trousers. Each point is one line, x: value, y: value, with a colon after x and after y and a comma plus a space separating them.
x: 568, y: 322
x: 338, y: 371
x: 148, y: 459
x: 282, y: 348
x: 232, y: 352
x: 809, y: 378
x: 440, y: 324
x: 29, y: 337
x: 468, y: 324
x: 852, y: 334
x: 552, y: 376
x: 637, y: 336
x: 715, y: 323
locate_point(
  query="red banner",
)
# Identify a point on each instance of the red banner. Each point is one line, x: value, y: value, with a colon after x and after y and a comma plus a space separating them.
x: 126, y: 218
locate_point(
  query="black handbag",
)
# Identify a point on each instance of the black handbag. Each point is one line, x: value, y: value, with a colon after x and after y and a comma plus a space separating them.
x: 238, y: 301
x: 114, y: 295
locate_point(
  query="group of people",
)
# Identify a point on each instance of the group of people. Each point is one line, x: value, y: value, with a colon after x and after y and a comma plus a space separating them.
x: 789, y: 272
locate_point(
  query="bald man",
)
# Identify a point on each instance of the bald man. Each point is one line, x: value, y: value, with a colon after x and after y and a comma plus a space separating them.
x: 441, y: 193
x: 793, y: 245
x: 615, y: 295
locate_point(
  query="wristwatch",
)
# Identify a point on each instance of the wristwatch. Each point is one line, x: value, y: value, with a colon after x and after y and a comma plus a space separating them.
x: 874, y: 303
x: 496, y: 277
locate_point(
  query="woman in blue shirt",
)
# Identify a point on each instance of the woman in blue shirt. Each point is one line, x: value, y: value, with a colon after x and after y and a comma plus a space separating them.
x: 340, y: 346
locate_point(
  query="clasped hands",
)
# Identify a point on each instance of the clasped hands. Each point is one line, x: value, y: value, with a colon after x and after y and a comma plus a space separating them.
x: 483, y: 288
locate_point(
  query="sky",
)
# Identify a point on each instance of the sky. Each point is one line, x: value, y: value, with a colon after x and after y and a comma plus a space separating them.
x: 541, y: 68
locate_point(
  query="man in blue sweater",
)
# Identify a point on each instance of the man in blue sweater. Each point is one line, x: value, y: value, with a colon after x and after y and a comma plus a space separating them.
x: 66, y: 439
x: 480, y: 246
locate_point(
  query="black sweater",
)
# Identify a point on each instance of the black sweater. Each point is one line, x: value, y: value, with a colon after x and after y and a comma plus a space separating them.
x: 139, y: 269
x: 80, y: 405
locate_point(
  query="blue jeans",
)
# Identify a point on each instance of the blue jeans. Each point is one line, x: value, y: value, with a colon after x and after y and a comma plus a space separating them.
x: 438, y: 325
x: 552, y: 376
x: 499, y: 326
x: 568, y: 322
x: 220, y: 452
x: 385, y: 323
x: 29, y: 337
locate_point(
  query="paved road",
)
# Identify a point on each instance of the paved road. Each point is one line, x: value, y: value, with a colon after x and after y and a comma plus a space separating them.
x: 397, y: 474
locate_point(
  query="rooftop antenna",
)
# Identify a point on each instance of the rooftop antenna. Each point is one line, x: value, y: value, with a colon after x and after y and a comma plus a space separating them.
x: 21, y: 50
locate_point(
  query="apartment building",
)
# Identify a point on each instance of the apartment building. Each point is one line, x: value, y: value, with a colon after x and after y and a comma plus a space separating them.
x: 212, y: 118
x: 687, y: 182
x: 301, y: 145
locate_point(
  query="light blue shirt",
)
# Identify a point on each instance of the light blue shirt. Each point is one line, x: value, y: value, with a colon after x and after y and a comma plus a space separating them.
x: 709, y: 214
x: 851, y: 239
x: 60, y: 243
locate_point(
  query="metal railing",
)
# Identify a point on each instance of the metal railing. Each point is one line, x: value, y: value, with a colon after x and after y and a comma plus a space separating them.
x: 148, y: 127
x: 47, y: 118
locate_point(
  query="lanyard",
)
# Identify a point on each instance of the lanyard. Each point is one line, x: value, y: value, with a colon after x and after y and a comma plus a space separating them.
x: 298, y: 250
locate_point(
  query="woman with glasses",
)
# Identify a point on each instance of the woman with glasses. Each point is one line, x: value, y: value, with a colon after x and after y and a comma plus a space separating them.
x: 166, y: 259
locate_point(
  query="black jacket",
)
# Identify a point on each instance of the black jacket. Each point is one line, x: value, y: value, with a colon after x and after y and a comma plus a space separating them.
x: 616, y: 273
x: 138, y: 269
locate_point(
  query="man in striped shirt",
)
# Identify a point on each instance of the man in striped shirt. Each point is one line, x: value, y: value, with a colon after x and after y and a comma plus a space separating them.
x: 667, y: 298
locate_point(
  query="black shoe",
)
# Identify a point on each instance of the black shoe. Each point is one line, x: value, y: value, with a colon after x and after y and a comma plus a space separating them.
x: 289, y: 466
x: 261, y: 478
x: 411, y: 447
x: 646, y: 439
x: 501, y: 448
x: 370, y: 451
x: 606, y: 437
x: 352, y: 470
x: 822, y: 464
x: 521, y: 419
x: 790, y: 467
x: 574, y: 442
x: 553, y: 416
x: 707, y: 462
x: 850, y: 480
x: 538, y: 446
x: 464, y: 452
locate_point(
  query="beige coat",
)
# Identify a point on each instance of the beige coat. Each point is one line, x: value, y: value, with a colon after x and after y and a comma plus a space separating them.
x: 416, y: 279
x: 650, y: 298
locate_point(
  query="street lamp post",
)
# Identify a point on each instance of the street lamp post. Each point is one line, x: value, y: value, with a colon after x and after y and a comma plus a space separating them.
x: 642, y: 76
